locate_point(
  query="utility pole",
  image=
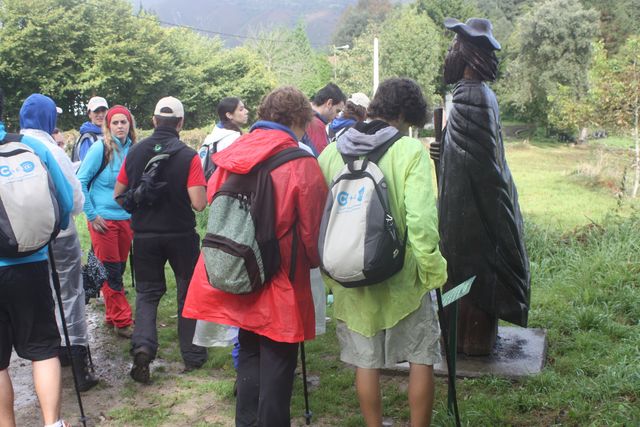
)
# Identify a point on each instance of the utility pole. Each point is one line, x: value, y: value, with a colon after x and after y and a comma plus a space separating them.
x: 376, y: 76
x: 335, y: 58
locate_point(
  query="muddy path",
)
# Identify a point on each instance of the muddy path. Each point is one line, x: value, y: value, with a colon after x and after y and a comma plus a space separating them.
x: 117, y: 400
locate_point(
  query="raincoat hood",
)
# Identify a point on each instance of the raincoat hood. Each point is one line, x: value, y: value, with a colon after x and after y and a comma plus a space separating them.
x: 38, y: 112
x: 264, y: 140
x: 90, y: 127
x: 365, y: 137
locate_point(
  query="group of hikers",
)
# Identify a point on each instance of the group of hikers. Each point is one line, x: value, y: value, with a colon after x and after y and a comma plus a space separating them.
x: 331, y: 182
x: 113, y: 173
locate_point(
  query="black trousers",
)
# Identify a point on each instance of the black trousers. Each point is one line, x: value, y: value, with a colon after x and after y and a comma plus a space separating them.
x: 265, y: 381
x: 150, y: 254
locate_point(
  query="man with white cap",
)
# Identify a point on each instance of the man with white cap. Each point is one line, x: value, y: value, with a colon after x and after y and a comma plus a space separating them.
x: 163, y: 230
x: 90, y: 130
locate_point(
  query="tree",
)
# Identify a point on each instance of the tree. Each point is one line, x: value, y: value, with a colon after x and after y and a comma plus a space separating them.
x: 40, y: 41
x: 552, y: 47
x: 288, y: 55
x: 356, y: 19
x: 403, y: 53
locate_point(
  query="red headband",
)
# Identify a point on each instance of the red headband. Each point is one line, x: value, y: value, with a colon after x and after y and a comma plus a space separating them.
x: 118, y: 109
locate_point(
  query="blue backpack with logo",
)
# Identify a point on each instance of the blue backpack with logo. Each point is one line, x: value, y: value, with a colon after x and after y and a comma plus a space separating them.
x: 29, y: 211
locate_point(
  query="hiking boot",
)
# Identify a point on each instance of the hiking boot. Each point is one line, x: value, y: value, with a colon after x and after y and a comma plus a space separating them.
x: 82, y: 368
x: 140, y: 369
x: 125, y: 332
x: 190, y: 367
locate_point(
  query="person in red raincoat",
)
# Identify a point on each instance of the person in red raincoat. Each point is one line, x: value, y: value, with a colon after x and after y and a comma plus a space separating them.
x: 274, y: 319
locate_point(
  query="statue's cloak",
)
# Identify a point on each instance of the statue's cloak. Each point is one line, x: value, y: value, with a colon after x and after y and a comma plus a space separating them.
x: 481, y: 227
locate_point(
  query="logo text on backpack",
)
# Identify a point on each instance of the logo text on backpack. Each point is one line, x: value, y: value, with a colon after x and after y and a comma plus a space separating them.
x: 349, y: 202
x: 23, y: 168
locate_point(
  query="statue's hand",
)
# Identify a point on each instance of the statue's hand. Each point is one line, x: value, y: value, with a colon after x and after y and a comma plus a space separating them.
x: 434, y: 151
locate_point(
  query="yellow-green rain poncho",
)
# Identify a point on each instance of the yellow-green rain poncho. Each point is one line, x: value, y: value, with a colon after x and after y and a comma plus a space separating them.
x: 407, y: 170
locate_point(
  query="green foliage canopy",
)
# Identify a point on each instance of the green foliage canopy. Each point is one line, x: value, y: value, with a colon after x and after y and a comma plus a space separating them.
x: 71, y: 50
x: 552, y: 47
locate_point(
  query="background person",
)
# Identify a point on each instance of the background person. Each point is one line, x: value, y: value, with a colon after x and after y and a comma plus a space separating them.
x: 58, y: 137
x: 355, y: 110
x: 232, y: 114
x: 27, y: 320
x: 91, y: 130
x: 109, y: 224
x: 394, y: 320
x: 276, y: 318
x: 326, y: 105
x: 38, y: 119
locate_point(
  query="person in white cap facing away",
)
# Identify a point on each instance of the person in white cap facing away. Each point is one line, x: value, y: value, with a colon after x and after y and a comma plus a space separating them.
x: 90, y: 130
x: 355, y: 110
x: 161, y: 183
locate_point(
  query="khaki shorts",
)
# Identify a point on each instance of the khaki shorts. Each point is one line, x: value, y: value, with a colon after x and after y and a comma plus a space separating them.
x: 414, y: 339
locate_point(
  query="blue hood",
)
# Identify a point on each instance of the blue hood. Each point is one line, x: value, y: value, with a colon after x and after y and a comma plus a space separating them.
x: 90, y: 127
x: 38, y: 112
x: 339, y: 123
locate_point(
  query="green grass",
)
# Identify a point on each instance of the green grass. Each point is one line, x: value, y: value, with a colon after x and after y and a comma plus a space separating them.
x: 584, y: 246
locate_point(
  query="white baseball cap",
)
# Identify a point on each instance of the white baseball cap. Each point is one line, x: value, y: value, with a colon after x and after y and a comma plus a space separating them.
x: 169, y: 107
x: 97, y: 102
x: 360, y: 99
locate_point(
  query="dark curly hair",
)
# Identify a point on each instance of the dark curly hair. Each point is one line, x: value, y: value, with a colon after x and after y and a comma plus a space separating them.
x: 286, y: 105
x: 399, y: 98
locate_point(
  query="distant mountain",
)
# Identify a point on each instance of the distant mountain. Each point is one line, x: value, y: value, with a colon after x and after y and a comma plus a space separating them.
x: 247, y: 17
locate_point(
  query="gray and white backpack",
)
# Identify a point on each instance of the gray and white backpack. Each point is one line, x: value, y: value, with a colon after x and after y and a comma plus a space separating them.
x: 359, y: 244
x: 29, y: 211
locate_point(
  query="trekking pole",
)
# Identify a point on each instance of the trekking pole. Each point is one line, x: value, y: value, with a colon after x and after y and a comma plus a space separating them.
x: 449, y: 337
x: 56, y: 287
x: 131, y: 270
x: 307, y: 413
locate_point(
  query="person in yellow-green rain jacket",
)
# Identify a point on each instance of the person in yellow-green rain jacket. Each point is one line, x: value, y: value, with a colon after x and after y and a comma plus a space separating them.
x: 394, y: 320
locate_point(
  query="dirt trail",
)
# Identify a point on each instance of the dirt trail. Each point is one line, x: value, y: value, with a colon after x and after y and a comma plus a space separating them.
x: 116, y: 389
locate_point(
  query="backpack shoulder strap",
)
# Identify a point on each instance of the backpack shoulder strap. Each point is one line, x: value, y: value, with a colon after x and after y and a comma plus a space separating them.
x: 103, y: 166
x: 11, y: 137
x: 377, y: 154
x: 282, y: 157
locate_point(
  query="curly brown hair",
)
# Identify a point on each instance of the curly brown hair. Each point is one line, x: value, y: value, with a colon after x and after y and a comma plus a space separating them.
x: 355, y: 112
x: 286, y: 105
x: 399, y: 98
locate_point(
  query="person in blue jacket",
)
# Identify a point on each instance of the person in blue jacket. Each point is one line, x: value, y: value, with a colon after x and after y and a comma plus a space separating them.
x: 91, y: 130
x: 27, y: 320
x: 109, y: 224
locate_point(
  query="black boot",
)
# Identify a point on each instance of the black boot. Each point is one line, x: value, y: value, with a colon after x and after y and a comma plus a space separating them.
x: 63, y: 355
x: 83, y: 371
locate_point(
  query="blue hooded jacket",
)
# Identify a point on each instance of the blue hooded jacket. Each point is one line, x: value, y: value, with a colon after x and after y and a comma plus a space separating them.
x: 38, y: 112
x: 88, y: 127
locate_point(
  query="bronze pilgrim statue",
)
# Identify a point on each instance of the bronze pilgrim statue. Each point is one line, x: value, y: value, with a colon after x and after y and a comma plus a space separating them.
x: 481, y: 226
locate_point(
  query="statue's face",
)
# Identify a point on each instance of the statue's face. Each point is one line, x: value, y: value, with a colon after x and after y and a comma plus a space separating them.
x: 454, y: 63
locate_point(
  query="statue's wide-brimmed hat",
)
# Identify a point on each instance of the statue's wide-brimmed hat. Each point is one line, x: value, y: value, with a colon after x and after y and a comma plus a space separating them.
x: 477, y: 30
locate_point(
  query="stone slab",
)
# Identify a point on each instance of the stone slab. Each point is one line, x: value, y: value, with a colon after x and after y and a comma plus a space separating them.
x: 519, y: 352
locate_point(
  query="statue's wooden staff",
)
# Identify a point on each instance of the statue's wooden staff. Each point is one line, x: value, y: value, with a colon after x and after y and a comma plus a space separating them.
x: 449, y: 338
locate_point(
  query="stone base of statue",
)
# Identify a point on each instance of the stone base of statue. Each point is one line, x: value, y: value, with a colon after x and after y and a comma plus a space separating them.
x: 518, y: 353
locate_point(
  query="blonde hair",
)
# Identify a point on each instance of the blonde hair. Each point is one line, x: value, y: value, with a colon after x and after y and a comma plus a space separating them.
x: 110, y: 145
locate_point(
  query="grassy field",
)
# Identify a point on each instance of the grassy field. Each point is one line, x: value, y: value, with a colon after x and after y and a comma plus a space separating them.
x: 583, y: 241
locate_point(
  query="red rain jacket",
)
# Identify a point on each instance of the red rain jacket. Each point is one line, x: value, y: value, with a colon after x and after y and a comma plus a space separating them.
x: 282, y: 311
